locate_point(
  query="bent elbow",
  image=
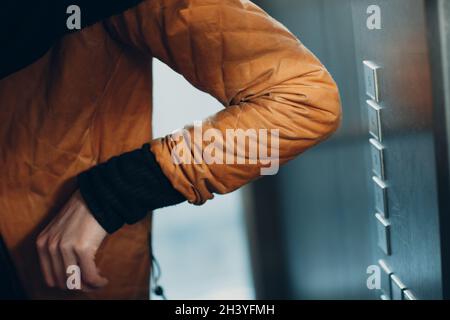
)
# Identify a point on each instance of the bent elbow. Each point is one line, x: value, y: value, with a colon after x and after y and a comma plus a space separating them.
x: 318, y: 106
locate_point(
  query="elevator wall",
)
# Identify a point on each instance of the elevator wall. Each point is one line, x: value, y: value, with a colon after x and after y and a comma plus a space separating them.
x: 324, y: 216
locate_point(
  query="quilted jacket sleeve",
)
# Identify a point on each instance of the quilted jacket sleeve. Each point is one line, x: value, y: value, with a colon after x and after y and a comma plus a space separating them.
x: 273, y: 89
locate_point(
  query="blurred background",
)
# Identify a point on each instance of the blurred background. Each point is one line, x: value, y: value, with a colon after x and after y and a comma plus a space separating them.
x: 312, y: 231
x: 202, y: 250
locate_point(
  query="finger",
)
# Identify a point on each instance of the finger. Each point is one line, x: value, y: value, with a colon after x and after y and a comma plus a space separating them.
x: 58, y: 267
x: 45, y: 261
x: 69, y: 259
x: 89, y: 272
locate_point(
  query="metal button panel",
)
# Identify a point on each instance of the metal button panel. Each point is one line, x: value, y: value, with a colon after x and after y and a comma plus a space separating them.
x: 397, y: 288
x: 372, y: 79
x: 375, y: 117
x: 381, y: 196
x: 385, y: 279
x: 384, y: 234
x: 408, y: 295
x: 377, y: 156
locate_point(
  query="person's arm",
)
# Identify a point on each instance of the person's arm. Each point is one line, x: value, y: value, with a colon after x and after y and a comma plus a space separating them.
x: 265, y: 78
x: 259, y: 71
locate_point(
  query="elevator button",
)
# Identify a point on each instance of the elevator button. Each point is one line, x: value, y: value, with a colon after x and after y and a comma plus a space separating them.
x: 385, y: 279
x: 384, y: 234
x: 408, y: 295
x: 398, y: 288
x: 372, y: 78
x: 374, y: 114
x: 380, y: 195
x: 377, y: 155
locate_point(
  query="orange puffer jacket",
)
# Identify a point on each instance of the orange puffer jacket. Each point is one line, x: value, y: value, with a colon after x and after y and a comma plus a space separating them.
x: 89, y: 98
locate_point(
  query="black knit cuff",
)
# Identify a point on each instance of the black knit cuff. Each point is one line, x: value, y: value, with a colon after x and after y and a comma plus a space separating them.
x: 125, y: 188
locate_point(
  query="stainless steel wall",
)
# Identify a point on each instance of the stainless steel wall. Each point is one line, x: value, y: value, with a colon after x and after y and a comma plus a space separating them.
x: 325, y: 224
x: 401, y: 48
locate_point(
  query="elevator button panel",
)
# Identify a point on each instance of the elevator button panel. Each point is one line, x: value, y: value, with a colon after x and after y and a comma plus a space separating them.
x: 377, y: 156
x: 385, y: 279
x: 384, y: 234
x: 372, y: 79
x: 380, y: 196
x: 374, y: 113
x: 398, y: 288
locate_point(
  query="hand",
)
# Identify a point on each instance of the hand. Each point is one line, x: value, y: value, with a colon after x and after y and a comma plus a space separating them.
x: 72, y: 238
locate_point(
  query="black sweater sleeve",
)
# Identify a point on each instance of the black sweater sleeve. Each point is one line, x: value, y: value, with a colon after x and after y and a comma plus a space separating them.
x: 125, y: 188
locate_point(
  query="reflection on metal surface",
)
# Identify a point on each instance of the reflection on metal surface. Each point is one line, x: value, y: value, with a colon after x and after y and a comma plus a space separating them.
x: 384, y: 236
x: 372, y: 78
x: 377, y: 155
x: 380, y: 193
x: 385, y: 279
x: 374, y: 112
x: 408, y: 295
x: 397, y: 288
